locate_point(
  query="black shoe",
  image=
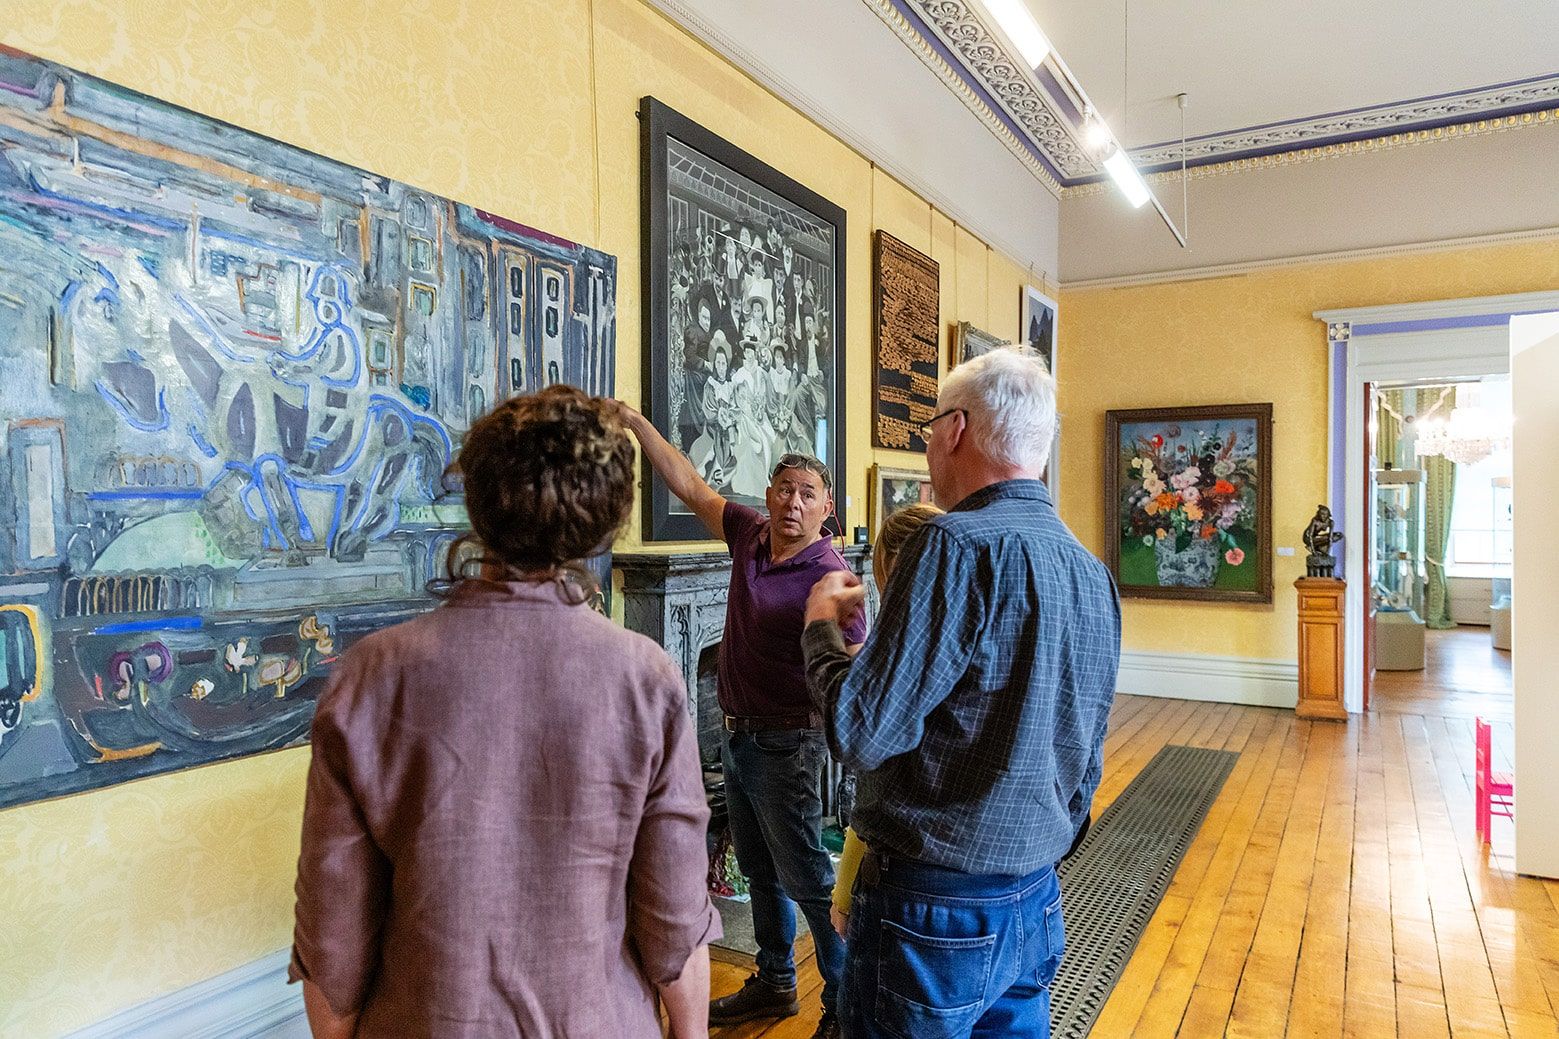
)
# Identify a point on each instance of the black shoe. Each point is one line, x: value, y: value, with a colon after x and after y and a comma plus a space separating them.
x: 756, y: 998
x: 828, y: 1028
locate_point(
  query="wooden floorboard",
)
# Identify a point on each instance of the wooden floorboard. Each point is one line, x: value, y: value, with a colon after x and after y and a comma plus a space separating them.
x: 1336, y: 887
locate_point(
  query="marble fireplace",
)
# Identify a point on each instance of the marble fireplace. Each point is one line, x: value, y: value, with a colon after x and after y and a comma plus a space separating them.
x: 679, y: 601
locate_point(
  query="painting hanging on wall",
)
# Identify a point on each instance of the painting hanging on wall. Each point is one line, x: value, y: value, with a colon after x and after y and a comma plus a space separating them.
x: 1037, y: 319
x: 906, y: 313
x: 895, y: 489
x: 744, y: 311
x: 970, y: 342
x: 1188, y: 500
x: 236, y: 374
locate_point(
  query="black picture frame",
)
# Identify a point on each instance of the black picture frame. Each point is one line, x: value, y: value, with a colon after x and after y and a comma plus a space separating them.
x: 663, y: 129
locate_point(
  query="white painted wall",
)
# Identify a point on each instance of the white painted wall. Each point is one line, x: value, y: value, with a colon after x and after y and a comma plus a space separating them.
x: 1446, y: 190
x: 1534, y: 370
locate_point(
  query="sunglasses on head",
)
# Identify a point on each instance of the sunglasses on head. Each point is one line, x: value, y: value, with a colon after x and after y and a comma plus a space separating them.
x: 807, y: 462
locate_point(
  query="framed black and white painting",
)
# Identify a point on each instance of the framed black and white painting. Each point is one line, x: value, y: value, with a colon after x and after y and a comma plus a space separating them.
x: 744, y: 273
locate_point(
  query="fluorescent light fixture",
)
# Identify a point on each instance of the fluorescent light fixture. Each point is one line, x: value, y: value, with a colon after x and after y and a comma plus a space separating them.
x: 1017, y: 21
x: 1096, y: 135
x: 1127, y: 178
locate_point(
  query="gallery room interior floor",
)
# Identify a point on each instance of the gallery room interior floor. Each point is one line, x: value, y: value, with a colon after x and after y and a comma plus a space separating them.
x: 1335, y: 889
x: 1463, y: 675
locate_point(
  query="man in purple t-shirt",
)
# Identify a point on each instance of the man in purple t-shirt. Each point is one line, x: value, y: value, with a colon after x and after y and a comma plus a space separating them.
x: 772, y: 750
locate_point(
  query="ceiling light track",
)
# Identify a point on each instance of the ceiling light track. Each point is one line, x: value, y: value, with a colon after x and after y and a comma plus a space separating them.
x: 1016, y: 25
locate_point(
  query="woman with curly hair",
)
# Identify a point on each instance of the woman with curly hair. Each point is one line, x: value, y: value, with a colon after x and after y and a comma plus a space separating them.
x: 504, y: 827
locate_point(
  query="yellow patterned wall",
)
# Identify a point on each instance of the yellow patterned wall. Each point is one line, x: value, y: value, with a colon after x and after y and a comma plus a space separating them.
x: 1236, y: 339
x: 524, y: 108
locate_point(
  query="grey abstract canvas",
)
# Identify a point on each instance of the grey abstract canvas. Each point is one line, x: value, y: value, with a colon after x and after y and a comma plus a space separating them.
x: 234, y: 377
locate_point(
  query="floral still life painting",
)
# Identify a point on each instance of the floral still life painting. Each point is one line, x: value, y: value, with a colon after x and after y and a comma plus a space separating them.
x: 1188, y: 496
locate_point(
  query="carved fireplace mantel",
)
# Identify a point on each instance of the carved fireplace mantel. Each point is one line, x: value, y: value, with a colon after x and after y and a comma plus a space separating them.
x: 679, y: 601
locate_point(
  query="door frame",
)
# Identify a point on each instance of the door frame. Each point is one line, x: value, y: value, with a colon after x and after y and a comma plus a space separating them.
x: 1456, y: 339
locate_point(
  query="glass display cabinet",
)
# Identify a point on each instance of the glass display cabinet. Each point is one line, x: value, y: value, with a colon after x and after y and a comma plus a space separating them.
x: 1397, y: 571
x: 1499, y: 587
x: 1398, y: 577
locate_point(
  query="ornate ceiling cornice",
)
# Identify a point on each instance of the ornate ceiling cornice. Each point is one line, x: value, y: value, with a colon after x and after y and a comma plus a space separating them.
x: 1482, y: 127
x: 1487, y: 104
x: 957, y: 80
x: 1037, y: 120
x: 960, y: 27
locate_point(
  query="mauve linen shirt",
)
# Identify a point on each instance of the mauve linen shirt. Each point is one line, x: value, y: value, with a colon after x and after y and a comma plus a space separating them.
x: 504, y: 827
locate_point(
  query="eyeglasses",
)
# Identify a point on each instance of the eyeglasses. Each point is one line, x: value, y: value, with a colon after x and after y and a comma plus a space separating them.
x: 925, y: 427
x: 807, y: 462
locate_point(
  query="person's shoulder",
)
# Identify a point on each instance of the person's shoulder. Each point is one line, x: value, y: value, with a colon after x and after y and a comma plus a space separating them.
x: 641, y: 668
x: 742, y: 523
x: 959, y: 528
x: 639, y: 654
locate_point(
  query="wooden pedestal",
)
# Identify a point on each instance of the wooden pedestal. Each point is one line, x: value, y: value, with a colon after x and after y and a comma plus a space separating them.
x: 1320, y: 648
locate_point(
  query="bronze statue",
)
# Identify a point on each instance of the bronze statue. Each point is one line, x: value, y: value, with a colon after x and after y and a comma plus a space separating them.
x: 1319, y: 537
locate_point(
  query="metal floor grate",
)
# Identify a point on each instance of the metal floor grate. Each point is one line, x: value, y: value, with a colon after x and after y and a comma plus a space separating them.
x: 1111, y: 887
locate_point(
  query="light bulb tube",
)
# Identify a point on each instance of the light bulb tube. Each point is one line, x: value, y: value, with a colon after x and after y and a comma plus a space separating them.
x: 1127, y: 178
x: 1018, y: 23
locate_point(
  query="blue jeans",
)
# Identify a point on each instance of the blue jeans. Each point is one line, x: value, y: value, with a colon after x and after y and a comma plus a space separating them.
x: 773, y: 795
x: 937, y: 954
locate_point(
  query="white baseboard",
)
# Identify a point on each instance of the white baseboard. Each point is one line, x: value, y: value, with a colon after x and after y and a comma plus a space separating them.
x: 1190, y: 676
x: 248, y: 1002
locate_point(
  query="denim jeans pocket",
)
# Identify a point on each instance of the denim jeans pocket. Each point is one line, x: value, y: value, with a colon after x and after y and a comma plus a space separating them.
x: 779, y: 741
x: 1055, y: 943
x: 931, y: 987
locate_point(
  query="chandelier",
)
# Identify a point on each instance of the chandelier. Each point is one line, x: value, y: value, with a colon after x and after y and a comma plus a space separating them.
x: 1467, y: 437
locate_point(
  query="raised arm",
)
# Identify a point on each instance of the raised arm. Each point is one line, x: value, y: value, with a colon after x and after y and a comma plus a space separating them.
x: 679, y: 474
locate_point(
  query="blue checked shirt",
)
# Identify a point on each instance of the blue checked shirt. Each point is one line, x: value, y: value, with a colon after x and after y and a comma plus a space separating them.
x: 975, y: 714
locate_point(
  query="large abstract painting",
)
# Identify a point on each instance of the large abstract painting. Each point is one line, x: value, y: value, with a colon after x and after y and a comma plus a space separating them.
x: 744, y: 311
x: 235, y: 376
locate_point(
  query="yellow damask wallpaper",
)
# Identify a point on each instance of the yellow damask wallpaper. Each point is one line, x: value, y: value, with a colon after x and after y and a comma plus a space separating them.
x: 524, y: 108
x: 1235, y: 339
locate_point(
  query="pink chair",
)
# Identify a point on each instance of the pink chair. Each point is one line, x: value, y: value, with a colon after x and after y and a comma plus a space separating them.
x: 1495, y: 792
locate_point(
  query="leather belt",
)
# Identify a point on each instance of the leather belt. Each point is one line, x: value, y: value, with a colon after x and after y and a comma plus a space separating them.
x: 793, y: 721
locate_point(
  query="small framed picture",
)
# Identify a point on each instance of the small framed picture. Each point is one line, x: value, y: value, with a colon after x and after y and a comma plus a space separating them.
x: 894, y: 489
x: 970, y: 342
x: 1038, y: 322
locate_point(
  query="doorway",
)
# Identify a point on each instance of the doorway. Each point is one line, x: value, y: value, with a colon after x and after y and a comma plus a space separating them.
x: 1438, y: 548
x: 1409, y: 344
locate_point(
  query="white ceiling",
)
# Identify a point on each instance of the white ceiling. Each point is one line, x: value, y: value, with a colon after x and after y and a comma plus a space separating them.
x: 1245, y: 63
x: 1461, y: 189
x: 842, y: 66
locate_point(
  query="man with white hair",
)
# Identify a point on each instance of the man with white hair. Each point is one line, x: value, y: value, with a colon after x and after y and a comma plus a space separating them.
x: 975, y: 717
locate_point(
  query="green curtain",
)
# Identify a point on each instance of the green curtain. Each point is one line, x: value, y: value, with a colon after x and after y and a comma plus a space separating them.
x: 1439, y: 493
x: 1388, y: 429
